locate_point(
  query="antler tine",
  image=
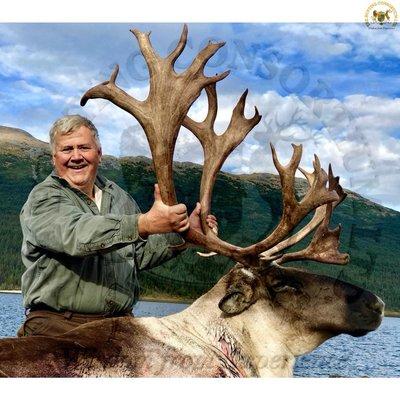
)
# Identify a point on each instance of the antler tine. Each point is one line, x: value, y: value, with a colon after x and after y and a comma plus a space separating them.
x: 110, y: 91
x: 318, y: 193
x: 319, y: 215
x: 325, y: 243
x: 218, y: 147
x: 287, y: 174
x: 114, y: 75
x: 173, y: 56
x: 205, y: 128
x: 211, y: 91
x: 308, y: 175
x: 238, y: 114
x: 334, y: 185
x: 274, y: 253
x: 204, y: 55
x: 324, y: 246
x: 293, y: 211
x: 150, y: 56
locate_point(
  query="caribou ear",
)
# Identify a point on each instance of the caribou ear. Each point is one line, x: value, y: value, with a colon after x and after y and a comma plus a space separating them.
x: 234, y: 303
x: 237, y: 299
x: 242, y: 290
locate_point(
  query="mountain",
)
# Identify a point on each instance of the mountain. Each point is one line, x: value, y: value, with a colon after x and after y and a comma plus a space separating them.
x: 17, y: 140
x: 247, y: 207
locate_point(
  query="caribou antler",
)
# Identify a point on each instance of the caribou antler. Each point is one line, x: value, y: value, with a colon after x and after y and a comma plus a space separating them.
x: 161, y: 116
x: 218, y: 147
x: 294, y: 211
x: 170, y: 97
x: 325, y: 243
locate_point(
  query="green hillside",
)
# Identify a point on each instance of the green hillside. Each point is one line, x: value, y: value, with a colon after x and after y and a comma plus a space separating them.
x: 247, y: 207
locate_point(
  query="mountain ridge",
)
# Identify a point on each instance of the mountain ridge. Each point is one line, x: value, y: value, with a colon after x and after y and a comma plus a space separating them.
x: 248, y: 206
x: 19, y: 137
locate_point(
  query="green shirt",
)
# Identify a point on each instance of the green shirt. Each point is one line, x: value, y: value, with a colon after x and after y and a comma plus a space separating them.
x: 80, y: 259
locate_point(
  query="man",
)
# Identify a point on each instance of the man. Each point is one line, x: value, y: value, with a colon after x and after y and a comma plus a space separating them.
x: 84, y: 238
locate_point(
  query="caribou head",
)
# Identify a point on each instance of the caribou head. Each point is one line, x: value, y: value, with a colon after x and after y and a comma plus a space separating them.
x: 258, y: 312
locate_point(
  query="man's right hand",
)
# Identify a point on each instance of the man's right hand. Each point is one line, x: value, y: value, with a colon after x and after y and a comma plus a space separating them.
x: 162, y: 218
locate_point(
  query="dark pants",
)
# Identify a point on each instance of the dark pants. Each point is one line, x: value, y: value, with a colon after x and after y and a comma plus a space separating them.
x: 52, y: 323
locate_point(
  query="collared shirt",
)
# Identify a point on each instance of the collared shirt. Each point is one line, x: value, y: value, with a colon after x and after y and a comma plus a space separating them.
x: 83, y: 259
x: 98, y: 195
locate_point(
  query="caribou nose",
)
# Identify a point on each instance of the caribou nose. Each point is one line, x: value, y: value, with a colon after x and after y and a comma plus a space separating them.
x: 376, y: 305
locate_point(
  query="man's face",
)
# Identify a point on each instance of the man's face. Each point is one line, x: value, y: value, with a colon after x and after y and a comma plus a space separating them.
x: 76, y: 157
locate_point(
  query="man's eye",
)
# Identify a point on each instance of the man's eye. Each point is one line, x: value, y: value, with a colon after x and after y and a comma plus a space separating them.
x: 66, y: 150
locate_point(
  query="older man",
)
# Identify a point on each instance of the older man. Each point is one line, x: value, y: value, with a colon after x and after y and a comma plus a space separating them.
x: 84, y: 238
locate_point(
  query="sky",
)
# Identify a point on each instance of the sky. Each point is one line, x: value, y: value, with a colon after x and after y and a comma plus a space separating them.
x: 335, y: 88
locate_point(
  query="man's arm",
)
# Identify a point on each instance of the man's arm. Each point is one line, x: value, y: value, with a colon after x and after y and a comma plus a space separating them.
x: 157, y: 249
x: 55, y: 223
x: 162, y: 218
x: 161, y: 248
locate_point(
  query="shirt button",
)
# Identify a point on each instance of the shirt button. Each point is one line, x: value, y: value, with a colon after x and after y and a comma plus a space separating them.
x: 102, y: 245
x: 130, y: 237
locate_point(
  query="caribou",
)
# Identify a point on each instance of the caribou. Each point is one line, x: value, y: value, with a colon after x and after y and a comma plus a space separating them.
x: 258, y: 317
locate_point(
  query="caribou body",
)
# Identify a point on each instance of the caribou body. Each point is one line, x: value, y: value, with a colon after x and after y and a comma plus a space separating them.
x: 260, y: 315
x: 252, y: 323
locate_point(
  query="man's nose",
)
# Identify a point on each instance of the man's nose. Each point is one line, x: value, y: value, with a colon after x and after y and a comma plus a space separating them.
x: 76, y: 155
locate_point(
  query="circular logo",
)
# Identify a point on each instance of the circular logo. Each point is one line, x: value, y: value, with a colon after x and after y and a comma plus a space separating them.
x: 381, y: 15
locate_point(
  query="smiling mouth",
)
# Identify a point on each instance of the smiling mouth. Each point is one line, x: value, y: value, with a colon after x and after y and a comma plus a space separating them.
x: 77, y: 167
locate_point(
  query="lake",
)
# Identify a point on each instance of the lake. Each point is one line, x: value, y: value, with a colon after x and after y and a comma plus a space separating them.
x: 374, y: 355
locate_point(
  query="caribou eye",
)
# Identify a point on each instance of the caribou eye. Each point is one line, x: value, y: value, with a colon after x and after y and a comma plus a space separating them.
x: 285, y: 286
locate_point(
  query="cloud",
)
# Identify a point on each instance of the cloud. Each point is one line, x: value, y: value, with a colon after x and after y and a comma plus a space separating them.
x: 45, y: 68
x: 332, y: 40
x: 316, y: 40
x: 354, y: 135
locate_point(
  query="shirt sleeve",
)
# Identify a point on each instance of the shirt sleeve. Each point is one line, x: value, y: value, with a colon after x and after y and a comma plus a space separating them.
x: 158, y: 249
x: 55, y: 223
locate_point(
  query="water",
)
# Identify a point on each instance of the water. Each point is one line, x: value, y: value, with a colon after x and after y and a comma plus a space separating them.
x: 374, y: 355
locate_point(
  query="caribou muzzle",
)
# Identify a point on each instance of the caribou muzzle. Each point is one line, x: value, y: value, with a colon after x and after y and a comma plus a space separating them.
x: 365, y: 314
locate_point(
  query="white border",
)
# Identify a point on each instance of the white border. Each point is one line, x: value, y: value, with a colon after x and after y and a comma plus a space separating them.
x: 186, y: 11
x: 309, y: 11
x: 193, y: 389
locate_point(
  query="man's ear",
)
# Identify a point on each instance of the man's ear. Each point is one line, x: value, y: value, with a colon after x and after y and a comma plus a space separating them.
x: 238, y: 298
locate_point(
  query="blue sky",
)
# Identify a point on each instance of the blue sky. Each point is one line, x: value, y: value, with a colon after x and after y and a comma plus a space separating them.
x: 333, y: 87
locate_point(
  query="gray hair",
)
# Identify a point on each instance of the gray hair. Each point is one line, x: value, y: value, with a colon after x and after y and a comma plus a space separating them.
x: 70, y: 123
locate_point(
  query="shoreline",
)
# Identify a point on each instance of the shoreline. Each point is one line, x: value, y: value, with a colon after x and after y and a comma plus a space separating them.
x: 391, y: 313
x: 171, y: 299
x: 10, y: 291
x: 161, y: 299
x: 166, y: 299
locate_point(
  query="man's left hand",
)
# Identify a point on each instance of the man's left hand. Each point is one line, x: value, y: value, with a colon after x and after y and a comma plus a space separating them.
x: 195, y: 223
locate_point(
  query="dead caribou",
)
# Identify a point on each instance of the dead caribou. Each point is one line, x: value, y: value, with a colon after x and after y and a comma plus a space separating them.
x: 260, y: 315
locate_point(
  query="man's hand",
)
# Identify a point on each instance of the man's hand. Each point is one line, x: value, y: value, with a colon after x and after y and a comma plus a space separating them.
x: 162, y: 218
x: 195, y: 222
